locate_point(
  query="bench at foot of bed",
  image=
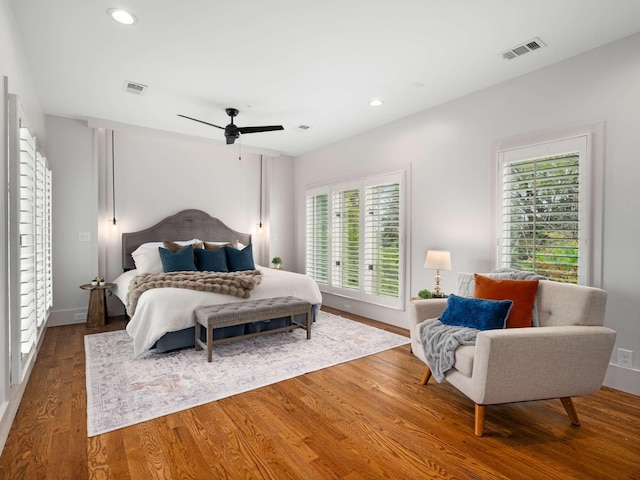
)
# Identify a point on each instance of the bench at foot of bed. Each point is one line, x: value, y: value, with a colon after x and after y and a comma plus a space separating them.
x: 239, y: 313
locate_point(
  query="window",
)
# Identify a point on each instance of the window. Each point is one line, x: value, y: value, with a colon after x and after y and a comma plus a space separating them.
x: 354, y: 239
x: 30, y: 290
x: 544, y: 209
x: 318, y: 238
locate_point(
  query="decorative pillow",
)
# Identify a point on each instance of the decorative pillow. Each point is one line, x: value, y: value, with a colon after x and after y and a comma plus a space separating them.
x: 147, y: 260
x: 211, y: 260
x: 465, y: 282
x: 476, y: 312
x: 238, y: 260
x: 175, y: 246
x: 521, y: 292
x: 180, y: 261
x: 218, y: 245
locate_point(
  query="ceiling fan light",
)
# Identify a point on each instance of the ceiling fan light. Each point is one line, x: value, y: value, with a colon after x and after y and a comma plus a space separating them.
x: 122, y: 16
x: 376, y: 102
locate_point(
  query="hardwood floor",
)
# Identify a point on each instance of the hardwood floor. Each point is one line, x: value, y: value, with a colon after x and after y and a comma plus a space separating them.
x: 365, y: 419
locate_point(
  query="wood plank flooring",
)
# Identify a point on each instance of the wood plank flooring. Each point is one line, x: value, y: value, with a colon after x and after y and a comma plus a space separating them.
x: 365, y: 419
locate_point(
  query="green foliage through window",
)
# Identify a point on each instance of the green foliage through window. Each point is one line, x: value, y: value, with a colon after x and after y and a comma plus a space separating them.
x: 541, y: 216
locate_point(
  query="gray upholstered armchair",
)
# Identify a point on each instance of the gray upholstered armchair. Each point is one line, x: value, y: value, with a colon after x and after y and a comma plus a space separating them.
x: 566, y: 356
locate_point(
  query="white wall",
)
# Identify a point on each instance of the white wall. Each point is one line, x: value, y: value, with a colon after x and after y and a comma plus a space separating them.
x: 13, y: 64
x: 280, y: 184
x: 453, y: 172
x: 75, y: 209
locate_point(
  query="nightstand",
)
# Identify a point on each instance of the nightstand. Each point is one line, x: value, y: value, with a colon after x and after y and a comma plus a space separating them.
x: 97, y: 313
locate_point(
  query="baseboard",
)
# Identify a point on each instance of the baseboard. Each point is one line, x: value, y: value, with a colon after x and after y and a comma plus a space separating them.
x: 621, y: 378
x: 67, y: 317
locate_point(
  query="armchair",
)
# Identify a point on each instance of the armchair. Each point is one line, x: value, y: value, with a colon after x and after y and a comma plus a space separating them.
x: 566, y: 356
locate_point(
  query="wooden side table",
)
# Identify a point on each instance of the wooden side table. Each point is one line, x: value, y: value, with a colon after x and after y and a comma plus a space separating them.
x: 97, y: 313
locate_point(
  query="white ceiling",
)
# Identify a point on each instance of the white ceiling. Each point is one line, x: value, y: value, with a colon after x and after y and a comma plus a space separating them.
x: 294, y: 62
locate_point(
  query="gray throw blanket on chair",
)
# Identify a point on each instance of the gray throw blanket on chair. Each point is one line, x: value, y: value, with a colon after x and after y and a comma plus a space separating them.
x: 440, y: 342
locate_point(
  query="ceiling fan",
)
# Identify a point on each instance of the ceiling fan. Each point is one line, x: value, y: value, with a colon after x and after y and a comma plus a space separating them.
x: 232, y: 131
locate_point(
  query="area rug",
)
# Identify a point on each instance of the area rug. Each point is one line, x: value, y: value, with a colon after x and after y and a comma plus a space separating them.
x: 123, y: 391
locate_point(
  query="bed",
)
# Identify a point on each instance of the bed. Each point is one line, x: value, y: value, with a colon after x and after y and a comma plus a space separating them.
x: 164, y: 317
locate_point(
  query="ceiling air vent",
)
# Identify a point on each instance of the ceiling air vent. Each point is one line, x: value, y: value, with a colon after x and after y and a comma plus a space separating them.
x: 520, y: 50
x: 135, y: 88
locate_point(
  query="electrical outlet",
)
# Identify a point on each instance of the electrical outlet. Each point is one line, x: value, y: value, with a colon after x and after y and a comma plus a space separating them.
x: 625, y: 358
x: 347, y: 307
x: 80, y: 317
x: 84, y: 236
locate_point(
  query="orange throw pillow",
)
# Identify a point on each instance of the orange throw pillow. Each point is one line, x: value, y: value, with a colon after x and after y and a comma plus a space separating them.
x: 521, y: 292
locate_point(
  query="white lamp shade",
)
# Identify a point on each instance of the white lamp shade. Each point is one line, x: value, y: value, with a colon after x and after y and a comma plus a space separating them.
x: 438, y: 260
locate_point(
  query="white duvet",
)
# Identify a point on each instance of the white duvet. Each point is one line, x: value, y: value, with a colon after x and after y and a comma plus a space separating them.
x: 163, y: 310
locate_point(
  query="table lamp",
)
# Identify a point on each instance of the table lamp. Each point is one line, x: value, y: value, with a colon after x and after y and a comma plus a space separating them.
x: 438, y: 260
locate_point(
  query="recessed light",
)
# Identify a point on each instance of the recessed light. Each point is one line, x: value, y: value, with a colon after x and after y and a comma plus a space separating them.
x: 122, y: 16
x: 376, y: 102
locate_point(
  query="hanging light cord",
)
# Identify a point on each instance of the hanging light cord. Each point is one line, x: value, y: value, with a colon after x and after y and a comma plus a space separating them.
x: 260, y: 191
x: 113, y: 176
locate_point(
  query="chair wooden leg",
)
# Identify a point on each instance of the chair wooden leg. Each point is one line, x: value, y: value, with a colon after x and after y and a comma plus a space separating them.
x: 479, y: 426
x: 567, y: 403
x: 426, y: 376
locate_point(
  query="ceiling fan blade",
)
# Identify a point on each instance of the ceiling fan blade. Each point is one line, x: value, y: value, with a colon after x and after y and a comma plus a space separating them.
x: 266, y: 128
x: 201, y: 121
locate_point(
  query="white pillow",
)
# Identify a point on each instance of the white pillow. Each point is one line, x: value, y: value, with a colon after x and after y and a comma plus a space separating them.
x: 147, y: 256
x: 147, y: 260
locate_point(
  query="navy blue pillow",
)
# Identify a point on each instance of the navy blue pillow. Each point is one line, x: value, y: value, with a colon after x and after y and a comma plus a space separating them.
x: 181, y: 261
x: 211, y: 260
x: 239, y: 260
x: 476, y: 312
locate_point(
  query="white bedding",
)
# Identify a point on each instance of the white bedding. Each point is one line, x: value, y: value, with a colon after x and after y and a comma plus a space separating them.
x: 163, y: 310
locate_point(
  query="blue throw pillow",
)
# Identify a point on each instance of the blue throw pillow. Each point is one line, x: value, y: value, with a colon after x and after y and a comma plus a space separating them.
x: 211, y: 260
x: 476, y: 312
x: 180, y: 261
x: 239, y: 260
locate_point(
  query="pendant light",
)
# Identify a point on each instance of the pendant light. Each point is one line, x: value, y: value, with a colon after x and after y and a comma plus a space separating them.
x: 260, y: 224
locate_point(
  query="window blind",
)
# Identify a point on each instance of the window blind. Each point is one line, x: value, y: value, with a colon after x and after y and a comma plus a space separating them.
x: 317, y: 237
x: 354, y: 242
x: 30, y: 279
x: 345, y: 236
x: 541, y: 205
x: 382, y: 240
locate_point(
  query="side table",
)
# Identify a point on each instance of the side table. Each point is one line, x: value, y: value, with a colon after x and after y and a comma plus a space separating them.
x: 97, y: 313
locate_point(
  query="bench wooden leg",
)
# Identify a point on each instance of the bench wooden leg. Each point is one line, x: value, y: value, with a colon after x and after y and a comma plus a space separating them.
x: 197, y: 337
x: 209, y: 343
x: 567, y: 403
x: 308, y: 324
x: 426, y: 375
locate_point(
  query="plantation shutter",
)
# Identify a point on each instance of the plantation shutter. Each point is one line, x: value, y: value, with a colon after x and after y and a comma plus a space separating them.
x: 317, y: 248
x: 544, y: 211
x: 345, y: 239
x: 27, y: 229
x: 48, y: 242
x: 40, y: 240
x: 30, y: 274
x: 382, y: 239
x: 354, y: 239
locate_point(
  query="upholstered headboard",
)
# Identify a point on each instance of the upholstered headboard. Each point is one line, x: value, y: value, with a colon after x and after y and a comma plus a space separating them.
x: 184, y: 225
